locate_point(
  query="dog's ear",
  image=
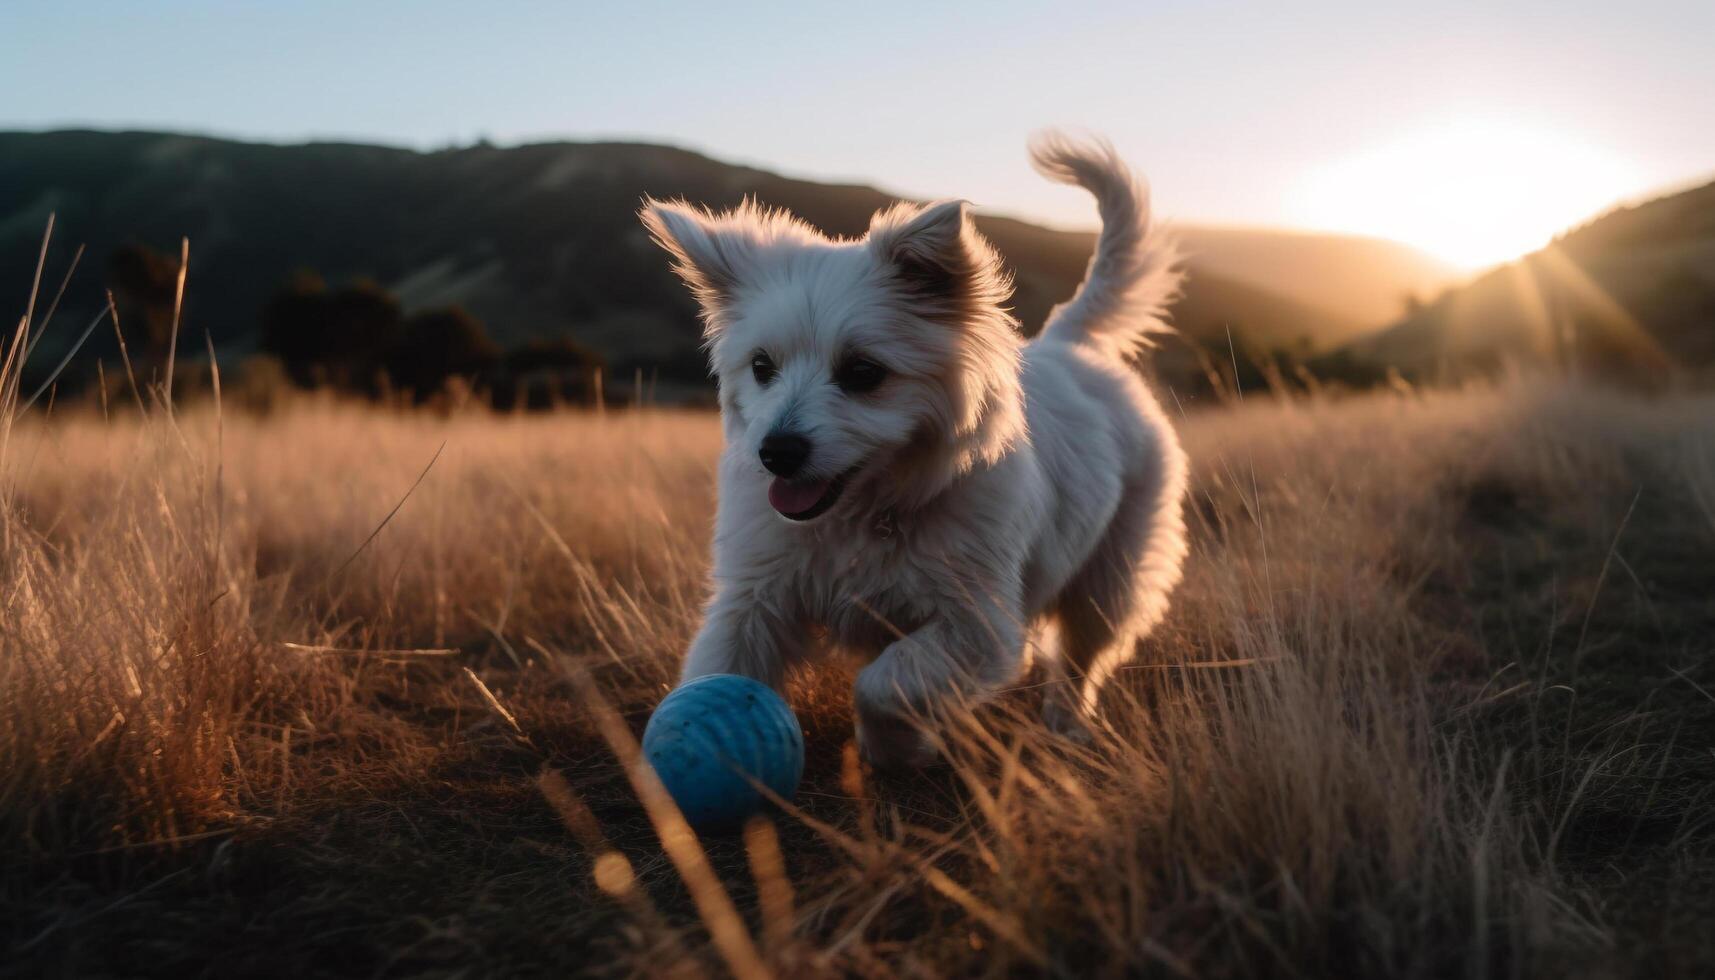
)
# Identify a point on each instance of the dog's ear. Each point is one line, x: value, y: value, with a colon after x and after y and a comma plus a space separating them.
x: 705, y: 255
x: 939, y: 258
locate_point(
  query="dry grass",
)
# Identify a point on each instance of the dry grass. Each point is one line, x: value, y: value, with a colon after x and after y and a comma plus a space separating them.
x: 1431, y: 701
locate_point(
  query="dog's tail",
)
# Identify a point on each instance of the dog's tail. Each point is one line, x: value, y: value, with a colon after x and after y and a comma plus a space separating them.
x: 1134, y: 275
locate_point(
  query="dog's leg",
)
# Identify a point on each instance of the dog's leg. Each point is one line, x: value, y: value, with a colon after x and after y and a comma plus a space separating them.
x: 741, y: 635
x: 1118, y: 598
x: 1062, y: 701
x: 1060, y: 710
x: 951, y: 662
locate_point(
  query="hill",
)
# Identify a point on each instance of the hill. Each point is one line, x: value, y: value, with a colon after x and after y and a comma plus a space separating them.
x: 1629, y: 294
x: 1369, y: 281
x: 542, y: 240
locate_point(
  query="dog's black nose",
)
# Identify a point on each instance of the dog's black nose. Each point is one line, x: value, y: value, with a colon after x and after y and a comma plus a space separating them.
x: 784, y: 453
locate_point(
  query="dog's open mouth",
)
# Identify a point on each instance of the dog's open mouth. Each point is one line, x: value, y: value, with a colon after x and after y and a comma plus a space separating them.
x: 805, y: 500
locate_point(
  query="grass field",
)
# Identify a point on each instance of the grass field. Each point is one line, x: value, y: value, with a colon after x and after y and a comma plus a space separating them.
x: 1434, y: 699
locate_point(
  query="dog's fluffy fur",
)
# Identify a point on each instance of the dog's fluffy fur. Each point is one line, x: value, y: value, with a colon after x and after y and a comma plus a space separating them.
x: 983, y: 487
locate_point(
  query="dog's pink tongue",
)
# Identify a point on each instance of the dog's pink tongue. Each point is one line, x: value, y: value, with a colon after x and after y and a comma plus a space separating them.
x: 795, y: 497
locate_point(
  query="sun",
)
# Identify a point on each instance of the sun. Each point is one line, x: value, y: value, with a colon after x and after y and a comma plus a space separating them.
x: 1474, y: 191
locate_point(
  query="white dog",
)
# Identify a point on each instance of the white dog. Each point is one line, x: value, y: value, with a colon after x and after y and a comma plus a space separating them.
x: 906, y: 478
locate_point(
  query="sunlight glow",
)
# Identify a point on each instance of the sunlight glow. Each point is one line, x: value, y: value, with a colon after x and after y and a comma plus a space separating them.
x: 1474, y: 192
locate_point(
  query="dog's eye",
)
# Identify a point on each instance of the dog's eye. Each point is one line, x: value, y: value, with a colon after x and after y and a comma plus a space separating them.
x: 857, y: 375
x: 762, y: 367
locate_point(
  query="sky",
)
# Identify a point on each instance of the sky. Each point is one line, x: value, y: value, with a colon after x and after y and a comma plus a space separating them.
x: 1473, y: 130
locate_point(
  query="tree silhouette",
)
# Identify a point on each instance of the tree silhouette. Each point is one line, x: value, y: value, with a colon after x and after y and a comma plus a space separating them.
x: 546, y: 372
x: 144, y: 281
x: 341, y: 338
x: 438, y: 345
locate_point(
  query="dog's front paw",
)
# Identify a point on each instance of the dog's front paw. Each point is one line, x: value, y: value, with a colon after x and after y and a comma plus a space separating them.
x: 898, y: 708
x: 894, y: 743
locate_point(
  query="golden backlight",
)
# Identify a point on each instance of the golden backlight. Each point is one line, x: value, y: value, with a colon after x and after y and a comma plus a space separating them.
x: 1472, y: 192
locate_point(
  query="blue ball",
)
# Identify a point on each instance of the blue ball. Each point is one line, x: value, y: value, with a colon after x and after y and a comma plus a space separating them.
x: 714, y: 734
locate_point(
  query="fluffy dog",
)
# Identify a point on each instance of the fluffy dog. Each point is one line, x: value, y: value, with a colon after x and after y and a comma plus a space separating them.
x: 905, y: 477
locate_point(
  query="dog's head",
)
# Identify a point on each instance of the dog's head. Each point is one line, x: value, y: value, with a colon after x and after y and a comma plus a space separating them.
x: 870, y: 371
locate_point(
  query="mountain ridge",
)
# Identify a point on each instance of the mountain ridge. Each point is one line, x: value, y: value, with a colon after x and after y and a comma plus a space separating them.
x: 541, y: 239
x: 1627, y: 294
